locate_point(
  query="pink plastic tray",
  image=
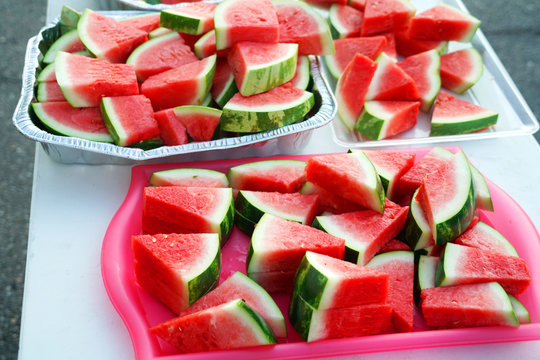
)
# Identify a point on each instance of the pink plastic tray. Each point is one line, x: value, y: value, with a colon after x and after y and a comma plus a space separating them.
x: 139, y: 311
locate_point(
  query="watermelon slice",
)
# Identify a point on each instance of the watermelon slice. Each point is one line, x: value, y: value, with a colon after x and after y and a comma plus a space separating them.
x: 184, y: 85
x: 280, y: 106
x: 467, y: 305
x: 467, y: 265
x: 252, y: 205
x: 84, y: 81
x: 194, y: 19
x: 390, y: 82
x: 201, y: 209
x: 400, y: 266
x: 259, y: 67
x: 299, y: 23
x: 206, y: 46
x: 325, y: 282
x: 187, y: 264
x: 346, y: 49
x: 481, y: 189
x: 68, y: 42
x: 383, y: 119
x: 145, y: 22
x: 245, y: 20
x: 345, y: 21
x: 279, y: 245
x: 201, y: 122
x: 69, y: 18
x: 126, y: 129
x: 330, y: 201
x: 443, y: 22
x: 212, y: 329
x: 386, y: 16
x: 282, y: 175
x: 353, y: 174
x: 46, y: 74
x: 352, y: 88
x: 302, y: 77
x: 108, y: 39
x: 189, y: 177
x: 521, y: 312
x: 482, y: 236
x: 240, y: 286
x: 364, y: 232
x: 160, y: 54
x: 423, y: 68
x: 313, y: 325
x: 63, y: 119
x: 405, y: 46
x: 416, y: 232
x: 424, y: 277
x: 461, y: 69
x: 452, y: 115
x: 223, y: 85
x: 172, y: 131
x: 447, y: 198
x: 49, y: 92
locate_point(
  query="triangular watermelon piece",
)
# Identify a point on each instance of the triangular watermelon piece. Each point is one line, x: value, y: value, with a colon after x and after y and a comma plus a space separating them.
x: 107, y: 38
x: 201, y: 122
x: 193, y: 19
x: 371, y: 47
x: 461, y: 69
x: 345, y: 21
x: 223, y: 85
x: 386, y: 16
x: 383, y: 119
x: 172, y: 131
x: 423, y: 68
x: 390, y: 82
x: 280, y: 175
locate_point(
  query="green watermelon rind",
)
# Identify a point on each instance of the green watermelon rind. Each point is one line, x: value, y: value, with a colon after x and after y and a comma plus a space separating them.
x: 433, y: 72
x: 158, y: 178
x: 521, y: 311
x: 424, y: 275
x: 373, y: 121
x: 57, y: 128
x: 300, y: 316
x: 416, y: 233
x: 443, y: 273
x: 205, y: 280
x: 275, y: 72
x: 221, y: 25
x: 227, y: 93
x: 463, y: 124
x: 244, y: 225
x: 184, y: 23
x: 65, y: 82
x: 226, y: 224
x: 112, y: 122
x: 245, y: 119
x: 69, y: 17
x: 84, y: 34
x: 42, y: 93
x: 266, y: 334
x: 59, y: 45
x: 253, y: 255
x: 337, y: 30
x: 158, y: 32
x: 310, y: 283
x: 303, y: 73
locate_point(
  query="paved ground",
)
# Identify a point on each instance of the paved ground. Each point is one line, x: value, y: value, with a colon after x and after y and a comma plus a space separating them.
x: 512, y: 27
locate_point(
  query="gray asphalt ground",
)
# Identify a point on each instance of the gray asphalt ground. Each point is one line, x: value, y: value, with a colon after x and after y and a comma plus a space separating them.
x: 512, y: 28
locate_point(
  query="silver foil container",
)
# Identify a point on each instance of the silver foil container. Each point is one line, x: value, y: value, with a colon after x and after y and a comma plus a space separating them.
x: 289, y: 139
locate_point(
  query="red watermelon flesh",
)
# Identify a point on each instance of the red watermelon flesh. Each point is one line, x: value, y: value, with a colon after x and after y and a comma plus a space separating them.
x: 207, y: 46
x: 282, y: 177
x: 275, y: 281
x: 394, y: 245
x: 346, y: 49
x: 190, y: 39
x: 146, y: 22
x: 386, y: 16
x: 405, y: 46
x: 399, y: 265
x: 390, y: 47
x: 84, y: 81
x: 279, y: 245
x: 443, y: 22
x: 222, y: 77
x: 173, y: 132
x: 151, y: 225
x: 49, y: 91
x: 391, y: 165
x: 357, y: 321
x: 107, y: 38
x: 390, y: 82
x: 169, y: 52
x: 300, y: 24
x: 350, y: 20
x: 482, y: 236
x: 325, y: 4
x: 402, y: 116
x: 200, y: 122
x: 461, y: 69
x: 330, y: 201
x: 467, y: 306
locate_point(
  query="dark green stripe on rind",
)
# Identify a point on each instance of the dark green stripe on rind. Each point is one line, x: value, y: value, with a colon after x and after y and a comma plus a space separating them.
x: 309, y: 283
x: 467, y: 126
x: 227, y: 224
x: 244, y: 225
x: 179, y: 22
x: 202, y: 283
x: 300, y: 314
x: 246, y: 209
x: 228, y: 92
x: 369, y: 125
x: 108, y: 123
x: 412, y: 234
x: 259, y: 321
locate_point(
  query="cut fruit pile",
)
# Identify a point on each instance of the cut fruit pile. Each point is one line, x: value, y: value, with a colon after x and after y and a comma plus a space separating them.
x: 379, y: 97
x: 357, y: 242
x: 198, y: 72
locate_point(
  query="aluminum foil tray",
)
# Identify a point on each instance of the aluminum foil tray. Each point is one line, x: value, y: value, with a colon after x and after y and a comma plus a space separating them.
x: 283, y: 141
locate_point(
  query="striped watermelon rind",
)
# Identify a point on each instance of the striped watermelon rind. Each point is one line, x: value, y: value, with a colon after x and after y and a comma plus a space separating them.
x: 481, y: 189
x: 416, y: 233
x: 466, y: 123
x: 302, y: 79
x: 204, y: 281
x: 176, y: 20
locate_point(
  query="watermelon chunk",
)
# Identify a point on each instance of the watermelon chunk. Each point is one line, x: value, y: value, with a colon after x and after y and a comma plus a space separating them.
x: 47, y: 74
x: 172, y: 131
x: 461, y: 306
x: 206, y: 46
x: 201, y: 122
x: 245, y: 20
x: 194, y: 19
x: 189, y: 177
x: 299, y: 23
x: 461, y: 69
x: 227, y: 326
x: 68, y: 42
x: 424, y: 277
x: 483, y: 236
x: 302, y: 77
x: 405, y: 46
x: 386, y: 16
x: 345, y: 21
x: 443, y: 22
x: 383, y: 119
x: 108, y: 39
x: 284, y: 176
x: 346, y: 49
x: 400, y: 266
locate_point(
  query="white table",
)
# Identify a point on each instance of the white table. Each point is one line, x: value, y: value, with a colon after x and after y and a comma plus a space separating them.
x: 66, y: 311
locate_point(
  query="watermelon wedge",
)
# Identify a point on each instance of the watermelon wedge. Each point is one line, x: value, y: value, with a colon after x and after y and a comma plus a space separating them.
x: 259, y: 67
x: 184, y: 85
x: 223, y: 85
x: 206, y: 46
x: 145, y: 22
x: 302, y: 77
x: 172, y: 131
x: 189, y: 177
x: 405, y: 46
x: 346, y: 49
x: 386, y: 16
x: 63, y: 119
x: 423, y: 68
x: 158, y: 32
x: 482, y: 236
x: 361, y: 244
x: 383, y: 119
x: 107, y: 38
x: 299, y: 23
x: 330, y: 201
x: 461, y: 69
x: 160, y: 54
x: 280, y: 106
x: 84, y: 81
x: 47, y: 74
x: 353, y: 174
x: 452, y: 115
x: 345, y: 21
x: 201, y: 122
x: 245, y: 20
x: 352, y: 87
x: 68, y: 42
x: 416, y: 232
x: 194, y: 19
x: 281, y: 175
x: 211, y: 329
x: 481, y: 189
x: 462, y: 306
x: 49, y: 92
x: 240, y: 286
x: 443, y: 22
x: 187, y: 265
